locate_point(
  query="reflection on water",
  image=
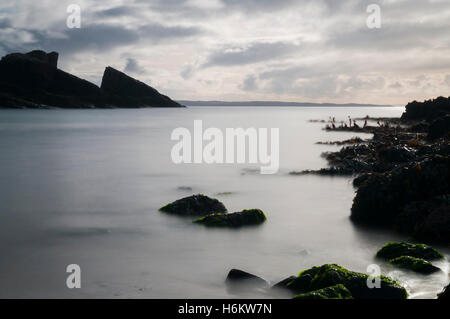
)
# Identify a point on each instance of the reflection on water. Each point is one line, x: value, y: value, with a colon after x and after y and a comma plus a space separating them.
x: 84, y: 187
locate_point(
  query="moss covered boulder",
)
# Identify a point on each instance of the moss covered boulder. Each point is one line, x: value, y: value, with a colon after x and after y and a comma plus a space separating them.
x: 330, y: 275
x: 395, y: 250
x: 247, y: 217
x: 334, y: 292
x: 415, y: 264
x: 196, y: 205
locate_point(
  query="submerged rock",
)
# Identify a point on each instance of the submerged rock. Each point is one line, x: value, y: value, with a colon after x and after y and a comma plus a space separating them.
x: 330, y: 275
x: 334, y: 292
x: 247, y: 217
x: 196, y: 205
x: 415, y: 264
x: 395, y: 250
x: 238, y: 279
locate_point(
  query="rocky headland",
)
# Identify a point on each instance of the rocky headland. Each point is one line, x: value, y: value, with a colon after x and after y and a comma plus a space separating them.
x: 33, y: 80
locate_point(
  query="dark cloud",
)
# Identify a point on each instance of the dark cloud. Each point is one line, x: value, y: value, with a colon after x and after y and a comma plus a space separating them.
x: 133, y: 66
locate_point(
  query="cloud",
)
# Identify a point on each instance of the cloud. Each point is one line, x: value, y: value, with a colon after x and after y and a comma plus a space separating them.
x: 252, y: 53
x: 133, y: 66
x: 249, y: 83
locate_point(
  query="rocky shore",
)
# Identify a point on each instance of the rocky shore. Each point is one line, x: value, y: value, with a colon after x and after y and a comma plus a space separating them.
x: 402, y: 174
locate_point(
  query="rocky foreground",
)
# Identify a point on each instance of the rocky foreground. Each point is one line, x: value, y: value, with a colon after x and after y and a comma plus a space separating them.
x: 33, y: 80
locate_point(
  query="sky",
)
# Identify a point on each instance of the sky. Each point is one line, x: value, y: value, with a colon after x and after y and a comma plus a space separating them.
x: 287, y: 50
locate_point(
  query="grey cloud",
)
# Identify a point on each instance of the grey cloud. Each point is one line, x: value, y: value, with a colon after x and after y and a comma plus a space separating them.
x: 133, y: 66
x: 255, y: 52
x: 250, y: 83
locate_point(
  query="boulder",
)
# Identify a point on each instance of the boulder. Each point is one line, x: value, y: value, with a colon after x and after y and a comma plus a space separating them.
x: 426, y: 220
x: 238, y: 279
x: 330, y: 275
x: 439, y: 128
x: 415, y: 264
x: 394, y: 250
x: 396, y: 154
x: 196, y: 205
x: 334, y: 292
x: 247, y: 217
x: 381, y: 198
x: 124, y: 91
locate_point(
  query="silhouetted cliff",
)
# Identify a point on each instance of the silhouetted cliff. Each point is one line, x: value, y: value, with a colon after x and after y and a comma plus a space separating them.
x: 32, y: 80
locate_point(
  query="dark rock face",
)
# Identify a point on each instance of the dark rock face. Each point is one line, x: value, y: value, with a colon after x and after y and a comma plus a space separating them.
x: 427, y: 110
x: 236, y: 276
x: 334, y: 292
x: 32, y: 80
x: 124, y: 89
x: 415, y: 264
x: 196, y: 205
x: 247, y: 217
x: 331, y: 275
x: 426, y: 220
x: 439, y: 128
x: 445, y: 294
x: 381, y: 198
x: 395, y: 250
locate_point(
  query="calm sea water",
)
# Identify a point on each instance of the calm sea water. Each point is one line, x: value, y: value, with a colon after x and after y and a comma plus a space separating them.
x: 83, y: 187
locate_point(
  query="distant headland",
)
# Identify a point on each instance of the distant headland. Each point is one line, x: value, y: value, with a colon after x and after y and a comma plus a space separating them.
x: 268, y: 103
x: 33, y: 80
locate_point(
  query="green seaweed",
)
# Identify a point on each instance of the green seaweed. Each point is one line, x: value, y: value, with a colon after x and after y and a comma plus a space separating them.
x: 399, y: 249
x: 415, y: 264
x: 331, y: 274
x: 334, y: 292
x: 246, y: 217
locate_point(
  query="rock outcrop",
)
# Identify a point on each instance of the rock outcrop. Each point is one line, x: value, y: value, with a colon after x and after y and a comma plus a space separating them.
x: 124, y: 90
x: 427, y: 110
x: 33, y: 80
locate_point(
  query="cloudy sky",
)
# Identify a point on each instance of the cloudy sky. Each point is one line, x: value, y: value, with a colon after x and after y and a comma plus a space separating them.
x: 291, y: 50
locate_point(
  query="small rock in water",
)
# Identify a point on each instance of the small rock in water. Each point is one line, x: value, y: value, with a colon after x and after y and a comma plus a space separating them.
x: 196, y: 205
x: 247, y: 217
x: 238, y: 277
x: 394, y: 250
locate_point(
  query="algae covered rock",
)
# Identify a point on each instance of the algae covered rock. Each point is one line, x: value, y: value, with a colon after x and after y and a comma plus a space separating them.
x: 394, y: 250
x: 247, y: 217
x: 415, y: 264
x: 330, y: 275
x: 334, y: 292
x: 196, y: 205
